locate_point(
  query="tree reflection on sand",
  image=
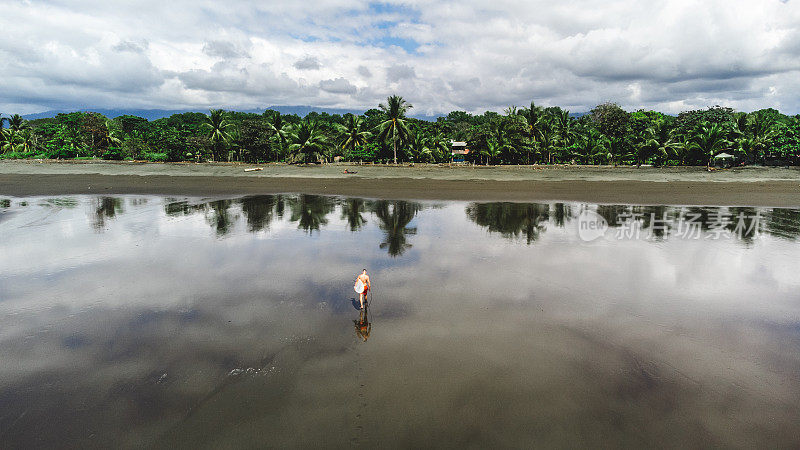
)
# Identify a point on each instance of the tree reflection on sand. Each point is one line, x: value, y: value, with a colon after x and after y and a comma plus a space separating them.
x: 394, y: 218
x: 529, y: 221
x: 311, y: 211
x: 260, y: 210
x: 656, y: 223
x: 512, y: 219
x: 106, y: 208
x: 220, y: 217
x: 353, y: 210
x: 783, y: 223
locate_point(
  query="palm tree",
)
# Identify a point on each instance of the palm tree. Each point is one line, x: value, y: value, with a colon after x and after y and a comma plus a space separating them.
x: 6, y: 140
x: 308, y: 144
x: 491, y: 151
x: 25, y: 141
x: 709, y: 141
x: 591, y: 146
x: 234, y: 138
x: 562, y: 124
x: 12, y: 139
x: 752, y: 134
x: 535, y: 122
x: 439, y: 147
x: 280, y: 132
x: 351, y: 134
x: 657, y: 141
x: 110, y: 136
x: 749, y: 147
x: 740, y: 126
x: 548, y: 139
x: 620, y: 149
x: 218, y: 129
x: 762, y: 126
x: 418, y: 146
x: 17, y: 123
x: 682, y: 148
x: 502, y: 132
x: 395, y: 126
x: 764, y: 131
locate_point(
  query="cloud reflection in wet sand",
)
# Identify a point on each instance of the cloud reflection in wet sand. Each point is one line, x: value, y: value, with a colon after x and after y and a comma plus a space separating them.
x: 135, y: 321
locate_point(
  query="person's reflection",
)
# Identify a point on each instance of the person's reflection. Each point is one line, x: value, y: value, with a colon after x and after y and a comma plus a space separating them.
x: 362, y: 325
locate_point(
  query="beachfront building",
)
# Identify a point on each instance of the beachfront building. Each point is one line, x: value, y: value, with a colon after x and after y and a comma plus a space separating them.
x: 459, y: 151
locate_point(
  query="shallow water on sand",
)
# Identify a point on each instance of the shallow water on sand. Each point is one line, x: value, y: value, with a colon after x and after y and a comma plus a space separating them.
x: 150, y: 321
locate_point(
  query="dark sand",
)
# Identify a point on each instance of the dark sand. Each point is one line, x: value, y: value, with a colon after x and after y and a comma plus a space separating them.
x: 756, y: 186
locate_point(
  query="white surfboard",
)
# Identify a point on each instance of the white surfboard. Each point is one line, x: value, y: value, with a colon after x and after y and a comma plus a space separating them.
x: 359, y: 287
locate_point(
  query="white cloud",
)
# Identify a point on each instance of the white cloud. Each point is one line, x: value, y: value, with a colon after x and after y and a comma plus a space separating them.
x: 364, y: 71
x: 398, y: 72
x: 440, y: 55
x: 224, y: 50
x: 337, y: 86
x: 307, y: 63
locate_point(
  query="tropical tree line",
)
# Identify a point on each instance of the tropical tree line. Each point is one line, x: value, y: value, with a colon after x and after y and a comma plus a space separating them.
x: 528, y: 135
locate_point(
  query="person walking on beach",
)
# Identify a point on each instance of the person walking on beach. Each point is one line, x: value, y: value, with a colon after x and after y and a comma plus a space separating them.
x: 362, y: 286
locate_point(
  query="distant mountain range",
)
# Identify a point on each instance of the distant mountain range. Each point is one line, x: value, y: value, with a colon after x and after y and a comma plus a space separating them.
x: 153, y: 114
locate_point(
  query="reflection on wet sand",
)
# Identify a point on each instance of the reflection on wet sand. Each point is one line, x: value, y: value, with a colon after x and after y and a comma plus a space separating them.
x: 530, y: 220
x: 353, y: 209
x: 106, y: 208
x: 394, y: 217
x: 362, y: 324
x: 147, y: 321
x: 512, y: 219
x: 259, y: 211
x: 311, y: 213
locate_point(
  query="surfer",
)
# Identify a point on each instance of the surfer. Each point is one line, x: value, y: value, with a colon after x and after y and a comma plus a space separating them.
x: 362, y: 286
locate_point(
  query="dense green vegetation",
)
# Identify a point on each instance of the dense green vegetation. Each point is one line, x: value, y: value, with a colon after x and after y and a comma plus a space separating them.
x: 529, y: 135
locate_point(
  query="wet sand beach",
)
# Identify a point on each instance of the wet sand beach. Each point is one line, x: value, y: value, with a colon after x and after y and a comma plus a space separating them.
x: 170, y: 322
x: 751, y: 186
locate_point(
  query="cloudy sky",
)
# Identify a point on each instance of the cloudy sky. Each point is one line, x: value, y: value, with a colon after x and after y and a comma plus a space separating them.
x: 441, y: 55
